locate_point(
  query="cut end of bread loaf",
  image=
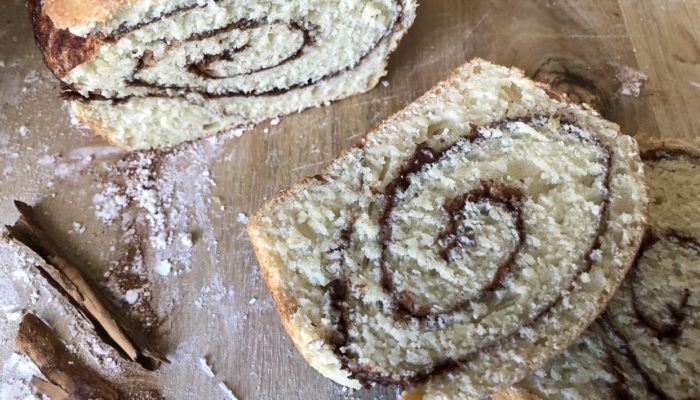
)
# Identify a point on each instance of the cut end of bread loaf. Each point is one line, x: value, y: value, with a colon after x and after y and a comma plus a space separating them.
x: 160, y: 72
x: 464, y: 242
x: 645, y: 345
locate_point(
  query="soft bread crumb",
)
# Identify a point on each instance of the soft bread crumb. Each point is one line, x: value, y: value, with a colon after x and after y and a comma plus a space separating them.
x: 325, y: 229
x: 666, y: 269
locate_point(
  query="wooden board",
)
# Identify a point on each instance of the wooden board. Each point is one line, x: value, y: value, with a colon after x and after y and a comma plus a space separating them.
x: 638, y: 62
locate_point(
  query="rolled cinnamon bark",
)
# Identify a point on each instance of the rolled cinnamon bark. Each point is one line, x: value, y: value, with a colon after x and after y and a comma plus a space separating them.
x: 71, y: 282
x: 69, y: 377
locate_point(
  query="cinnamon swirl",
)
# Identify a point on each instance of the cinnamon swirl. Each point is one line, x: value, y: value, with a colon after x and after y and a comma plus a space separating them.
x: 461, y: 244
x: 646, y: 345
x: 154, y: 73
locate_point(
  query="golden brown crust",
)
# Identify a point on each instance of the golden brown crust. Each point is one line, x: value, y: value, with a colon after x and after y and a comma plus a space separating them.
x: 62, y: 50
x: 510, y: 394
x: 649, y: 143
x: 96, y: 127
x: 66, y: 14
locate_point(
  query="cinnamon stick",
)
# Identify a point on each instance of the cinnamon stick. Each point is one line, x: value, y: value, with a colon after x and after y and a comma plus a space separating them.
x: 29, y: 232
x: 69, y: 378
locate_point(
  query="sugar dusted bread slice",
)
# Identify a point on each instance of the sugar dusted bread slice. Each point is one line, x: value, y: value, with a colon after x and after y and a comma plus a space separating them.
x: 461, y: 244
x: 646, y: 345
x: 154, y: 73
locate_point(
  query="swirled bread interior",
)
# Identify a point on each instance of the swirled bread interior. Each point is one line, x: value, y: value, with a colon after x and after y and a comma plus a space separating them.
x: 156, y: 73
x: 646, y: 345
x: 461, y: 244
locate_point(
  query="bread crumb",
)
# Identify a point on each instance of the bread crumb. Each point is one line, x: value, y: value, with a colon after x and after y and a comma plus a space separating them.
x: 242, y: 218
x: 274, y: 121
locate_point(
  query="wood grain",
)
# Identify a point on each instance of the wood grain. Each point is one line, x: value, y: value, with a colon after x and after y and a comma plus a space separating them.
x: 588, y: 48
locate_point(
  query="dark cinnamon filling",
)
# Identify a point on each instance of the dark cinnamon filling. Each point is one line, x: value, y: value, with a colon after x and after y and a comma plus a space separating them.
x: 666, y: 154
x: 63, y: 51
x: 664, y: 332
x: 507, y: 197
x: 677, y: 312
x: 203, y: 68
x: 404, y: 308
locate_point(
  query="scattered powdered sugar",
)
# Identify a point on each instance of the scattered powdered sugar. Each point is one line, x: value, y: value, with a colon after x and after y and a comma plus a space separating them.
x: 227, y: 391
x: 109, y: 203
x: 17, y: 372
x: 131, y: 296
x: 21, y: 365
x: 163, y: 268
x: 213, y: 292
x: 275, y: 121
x: 186, y: 239
x: 78, y: 227
x: 242, y: 218
x: 630, y: 79
x: 74, y: 120
x: 206, y: 367
x: 158, y: 205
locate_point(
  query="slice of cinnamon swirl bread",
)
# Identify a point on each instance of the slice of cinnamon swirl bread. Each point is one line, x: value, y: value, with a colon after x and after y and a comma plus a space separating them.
x: 646, y: 345
x: 153, y: 73
x: 461, y: 244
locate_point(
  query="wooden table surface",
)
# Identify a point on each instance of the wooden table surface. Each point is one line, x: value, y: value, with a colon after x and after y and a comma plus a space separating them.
x: 637, y: 62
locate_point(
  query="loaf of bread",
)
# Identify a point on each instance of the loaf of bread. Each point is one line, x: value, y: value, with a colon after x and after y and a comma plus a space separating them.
x: 646, y: 345
x: 154, y: 73
x: 461, y: 244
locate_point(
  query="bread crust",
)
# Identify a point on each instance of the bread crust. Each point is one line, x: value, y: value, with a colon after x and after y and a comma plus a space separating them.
x: 62, y: 51
x: 418, y: 392
x: 67, y: 14
x: 647, y: 143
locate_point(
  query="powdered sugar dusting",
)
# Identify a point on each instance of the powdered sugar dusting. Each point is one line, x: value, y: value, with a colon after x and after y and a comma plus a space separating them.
x: 630, y: 79
x: 227, y: 391
x: 26, y: 290
x: 159, y: 205
x: 206, y: 367
x: 163, y: 268
x: 18, y: 371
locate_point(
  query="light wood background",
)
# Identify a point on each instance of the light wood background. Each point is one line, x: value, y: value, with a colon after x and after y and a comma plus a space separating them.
x: 596, y: 50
